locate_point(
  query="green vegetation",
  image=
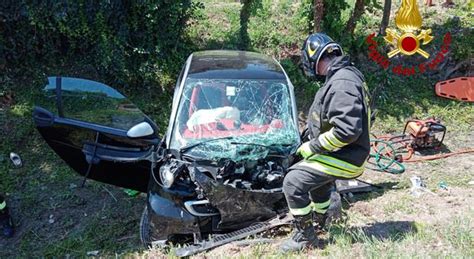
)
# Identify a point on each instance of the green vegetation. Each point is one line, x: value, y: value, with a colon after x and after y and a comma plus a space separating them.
x: 139, y: 49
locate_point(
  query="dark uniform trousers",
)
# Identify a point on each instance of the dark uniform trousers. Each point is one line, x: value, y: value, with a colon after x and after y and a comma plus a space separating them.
x: 308, y: 191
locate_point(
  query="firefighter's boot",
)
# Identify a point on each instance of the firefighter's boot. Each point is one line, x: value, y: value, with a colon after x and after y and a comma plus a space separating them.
x: 333, y: 213
x: 6, y: 223
x: 319, y: 221
x: 303, y: 235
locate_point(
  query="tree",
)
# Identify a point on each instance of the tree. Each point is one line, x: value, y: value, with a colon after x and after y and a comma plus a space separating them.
x: 386, y: 16
x: 244, y: 20
x: 356, y: 14
x: 318, y: 14
x: 249, y: 8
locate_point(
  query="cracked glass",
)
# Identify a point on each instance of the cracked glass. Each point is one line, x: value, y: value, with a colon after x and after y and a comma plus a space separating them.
x: 235, y: 119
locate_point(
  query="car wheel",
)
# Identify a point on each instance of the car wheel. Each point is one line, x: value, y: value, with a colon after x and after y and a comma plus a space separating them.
x: 145, y: 231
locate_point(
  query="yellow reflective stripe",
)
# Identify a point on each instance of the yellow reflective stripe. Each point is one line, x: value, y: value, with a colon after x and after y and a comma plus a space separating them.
x: 367, y: 103
x: 328, y: 170
x: 338, y: 163
x: 321, y: 211
x: 325, y: 143
x: 3, y: 205
x: 302, y: 211
x: 331, y: 170
x: 335, y: 140
x: 321, y: 207
x: 329, y: 141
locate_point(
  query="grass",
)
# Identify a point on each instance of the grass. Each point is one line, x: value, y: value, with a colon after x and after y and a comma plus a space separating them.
x: 401, y: 205
x: 451, y: 240
x: 85, y: 219
x: 401, y: 240
x: 384, y: 224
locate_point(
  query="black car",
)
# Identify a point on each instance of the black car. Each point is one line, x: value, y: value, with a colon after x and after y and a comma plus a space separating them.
x: 230, y: 140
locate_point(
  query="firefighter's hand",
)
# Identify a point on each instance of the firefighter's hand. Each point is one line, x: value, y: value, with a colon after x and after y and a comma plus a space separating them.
x: 304, y: 150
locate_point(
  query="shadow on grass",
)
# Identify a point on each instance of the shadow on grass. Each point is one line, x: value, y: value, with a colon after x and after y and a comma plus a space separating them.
x: 376, y: 191
x: 434, y: 151
x: 377, y: 231
x: 390, y: 230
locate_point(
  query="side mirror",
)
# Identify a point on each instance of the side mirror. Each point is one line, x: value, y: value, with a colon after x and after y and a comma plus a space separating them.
x: 140, y: 130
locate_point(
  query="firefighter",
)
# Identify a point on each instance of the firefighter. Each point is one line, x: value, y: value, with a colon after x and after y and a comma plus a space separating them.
x: 5, y: 219
x: 338, y: 145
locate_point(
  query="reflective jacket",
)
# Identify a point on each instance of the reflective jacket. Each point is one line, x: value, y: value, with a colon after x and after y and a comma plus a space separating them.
x: 339, y: 123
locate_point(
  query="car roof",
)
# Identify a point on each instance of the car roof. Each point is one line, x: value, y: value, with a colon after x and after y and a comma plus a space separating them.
x: 231, y: 64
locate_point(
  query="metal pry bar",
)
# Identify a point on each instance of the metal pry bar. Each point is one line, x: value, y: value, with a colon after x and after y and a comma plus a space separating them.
x: 234, y: 236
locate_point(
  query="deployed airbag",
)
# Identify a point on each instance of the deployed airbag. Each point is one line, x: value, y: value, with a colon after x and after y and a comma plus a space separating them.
x: 205, y: 116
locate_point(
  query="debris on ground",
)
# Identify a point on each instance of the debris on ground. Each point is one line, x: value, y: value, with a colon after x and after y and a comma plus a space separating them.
x: 16, y: 160
x: 443, y: 185
x: 93, y: 253
x: 51, y: 219
x: 131, y: 193
x: 418, y: 186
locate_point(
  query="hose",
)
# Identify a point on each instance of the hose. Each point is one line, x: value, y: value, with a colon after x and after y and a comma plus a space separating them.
x: 386, y: 157
x: 389, y: 157
x: 439, y: 156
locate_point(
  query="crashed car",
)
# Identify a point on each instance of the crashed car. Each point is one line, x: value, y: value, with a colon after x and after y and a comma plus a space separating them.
x: 219, y: 168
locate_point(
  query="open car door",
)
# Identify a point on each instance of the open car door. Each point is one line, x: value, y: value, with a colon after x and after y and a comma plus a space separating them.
x: 97, y: 131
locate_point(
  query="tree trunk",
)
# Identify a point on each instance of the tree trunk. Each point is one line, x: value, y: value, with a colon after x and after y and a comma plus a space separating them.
x: 386, y: 17
x: 244, y: 43
x: 356, y: 14
x: 318, y: 14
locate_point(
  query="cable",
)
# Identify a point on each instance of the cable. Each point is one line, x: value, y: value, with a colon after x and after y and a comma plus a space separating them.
x: 439, y: 156
x: 386, y: 157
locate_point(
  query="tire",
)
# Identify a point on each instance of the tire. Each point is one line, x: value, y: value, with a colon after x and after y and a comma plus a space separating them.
x: 145, y: 231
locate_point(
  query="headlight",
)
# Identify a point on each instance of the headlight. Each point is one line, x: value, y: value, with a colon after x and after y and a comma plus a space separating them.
x: 166, y: 176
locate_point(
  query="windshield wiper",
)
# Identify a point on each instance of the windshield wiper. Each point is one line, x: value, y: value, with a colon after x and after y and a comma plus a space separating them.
x: 186, y: 148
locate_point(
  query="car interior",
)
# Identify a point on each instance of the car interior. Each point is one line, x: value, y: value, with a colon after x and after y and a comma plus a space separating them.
x: 217, y: 109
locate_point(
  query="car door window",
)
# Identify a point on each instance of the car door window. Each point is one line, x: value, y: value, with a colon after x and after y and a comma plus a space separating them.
x: 92, y: 102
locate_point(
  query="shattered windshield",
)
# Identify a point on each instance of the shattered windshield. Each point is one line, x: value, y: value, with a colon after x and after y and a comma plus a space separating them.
x: 235, y: 119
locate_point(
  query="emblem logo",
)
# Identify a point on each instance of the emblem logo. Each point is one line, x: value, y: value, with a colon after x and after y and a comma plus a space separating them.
x: 408, y: 20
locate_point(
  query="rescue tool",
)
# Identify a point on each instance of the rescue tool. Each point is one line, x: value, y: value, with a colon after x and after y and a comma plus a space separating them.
x: 388, y: 152
x: 461, y: 89
x: 219, y: 240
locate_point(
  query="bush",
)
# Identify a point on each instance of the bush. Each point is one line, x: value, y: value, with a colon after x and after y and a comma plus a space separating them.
x: 127, y: 43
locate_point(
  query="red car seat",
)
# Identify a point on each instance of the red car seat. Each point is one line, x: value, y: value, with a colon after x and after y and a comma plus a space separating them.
x: 207, y: 97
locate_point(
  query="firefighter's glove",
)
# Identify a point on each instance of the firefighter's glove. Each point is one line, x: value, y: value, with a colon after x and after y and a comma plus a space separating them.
x: 305, y: 150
